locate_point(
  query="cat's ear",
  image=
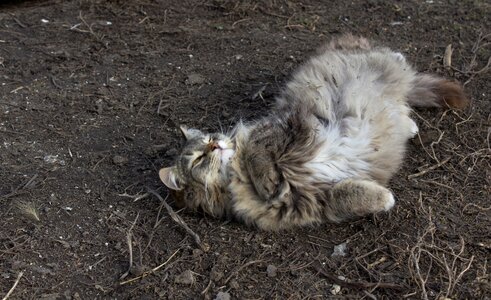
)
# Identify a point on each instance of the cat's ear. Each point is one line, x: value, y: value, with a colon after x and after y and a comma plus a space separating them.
x: 190, y: 133
x: 169, y: 178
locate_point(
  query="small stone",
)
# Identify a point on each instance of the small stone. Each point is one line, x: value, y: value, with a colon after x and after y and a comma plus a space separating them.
x: 216, y: 274
x: 153, y: 150
x: 234, y: 284
x: 53, y: 159
x: 17, y: 264
x: 53, y: 296
x: 195, y: 78
x: 197, y: 252
x: 120, y: 160
x: 339, y: 250
x: 138, y: 269
x: 225, y: 114
x: 335, y: 289
x: 185, y: 277
x: 426, y: 137
x: 271, y: 270
x: 222, y: 296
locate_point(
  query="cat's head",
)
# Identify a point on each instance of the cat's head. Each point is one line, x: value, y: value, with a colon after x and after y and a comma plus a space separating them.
x: 198, y: 179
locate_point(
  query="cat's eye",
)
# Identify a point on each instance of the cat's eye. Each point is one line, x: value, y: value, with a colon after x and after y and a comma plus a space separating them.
x: 198, y: 160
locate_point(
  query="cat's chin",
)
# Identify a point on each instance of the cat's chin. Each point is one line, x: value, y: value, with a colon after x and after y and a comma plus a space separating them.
x: 226, y: 155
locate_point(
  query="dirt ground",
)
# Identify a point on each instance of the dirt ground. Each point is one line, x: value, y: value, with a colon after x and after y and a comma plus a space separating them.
x: 91, y: 94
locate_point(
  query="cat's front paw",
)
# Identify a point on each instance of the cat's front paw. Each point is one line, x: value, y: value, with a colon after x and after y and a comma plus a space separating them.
x: 399, y: 56
x: 390, y: 201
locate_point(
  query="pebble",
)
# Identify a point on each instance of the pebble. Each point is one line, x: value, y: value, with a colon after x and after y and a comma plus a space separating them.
x: 335, y: 289
x: 222, y: 296
x: 339, y: 250
x: 120, y: 160
x: 197, y: 252
x: 195, y: 78
x: 154, y: 150
x: 185, y: 277
x: 271, y: 270
x: 53, y: 296
x: 138, y: 269
x: 216, y: 274
x: 225, y: 114
x: 234, y: 284
x: 427, y: 137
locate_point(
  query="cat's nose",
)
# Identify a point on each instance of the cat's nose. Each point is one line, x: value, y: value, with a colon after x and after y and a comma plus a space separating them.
x: 213, y: 146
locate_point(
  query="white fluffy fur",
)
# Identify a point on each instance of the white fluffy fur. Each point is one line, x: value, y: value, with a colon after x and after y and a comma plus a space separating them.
x: 363, y: 97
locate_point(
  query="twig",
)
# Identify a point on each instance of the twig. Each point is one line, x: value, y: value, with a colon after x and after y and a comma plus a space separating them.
x: 476, y: 206
x: 20, y: 189
x: 145, y: 274
x: 447, y: 57
x: 87, y: 25
x: 15, y: 284
x: 429, y: 168
x: 18, y: 21
x: 421, y: 282
x: 130, y: 248
x: 135, y: 197
x: 242, y: 267
x: 355, y: 285
x: 53, y: 81
x: 180, y: 221
x: 207, y: 288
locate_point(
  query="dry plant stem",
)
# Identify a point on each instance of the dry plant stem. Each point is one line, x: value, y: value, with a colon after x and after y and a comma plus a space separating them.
x: 20, y: 188
x: 88, y: 26
x: 13, y: 287
x: 179, y: 221
x: 429, y: 169
x: 207, y: 288
x: 145, y: 274
x: 355, y: 285
x: 242, y: 267
x: 422, y: 282
x: 476, y: 206
x: 447, y: 57
x: 136, y: 197
x: 130, y: 248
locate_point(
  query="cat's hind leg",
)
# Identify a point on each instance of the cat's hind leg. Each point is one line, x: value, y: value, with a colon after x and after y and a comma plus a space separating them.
x: 409, y: 127
x: 356, y: 198
x: 413, y: 128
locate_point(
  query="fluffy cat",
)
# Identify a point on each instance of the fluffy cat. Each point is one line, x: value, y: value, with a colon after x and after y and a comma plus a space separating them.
x: 325, y: 152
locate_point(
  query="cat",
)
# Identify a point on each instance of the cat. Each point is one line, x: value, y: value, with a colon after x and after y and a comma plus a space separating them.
x: 325, y: 152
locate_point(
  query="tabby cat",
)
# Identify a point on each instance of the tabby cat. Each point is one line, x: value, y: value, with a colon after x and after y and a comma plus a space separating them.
x: 325, y: 152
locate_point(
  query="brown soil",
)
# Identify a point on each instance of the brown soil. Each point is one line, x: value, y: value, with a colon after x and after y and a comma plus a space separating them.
x: 91, y: 94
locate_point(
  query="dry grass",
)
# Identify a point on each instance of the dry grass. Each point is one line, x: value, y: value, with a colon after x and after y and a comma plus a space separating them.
x: 28, y: 209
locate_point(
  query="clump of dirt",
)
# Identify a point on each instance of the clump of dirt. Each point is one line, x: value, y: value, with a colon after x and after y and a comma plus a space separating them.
x: 91, y: 95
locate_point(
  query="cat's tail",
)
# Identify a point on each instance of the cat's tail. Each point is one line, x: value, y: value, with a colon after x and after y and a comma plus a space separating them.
x: 431, y: 91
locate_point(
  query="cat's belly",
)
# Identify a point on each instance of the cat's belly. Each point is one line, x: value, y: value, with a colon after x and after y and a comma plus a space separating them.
x: 340, y: 157
x: 361, y: 149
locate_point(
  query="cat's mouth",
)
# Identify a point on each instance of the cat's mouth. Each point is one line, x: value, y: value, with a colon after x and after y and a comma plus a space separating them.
x: 224, y: 150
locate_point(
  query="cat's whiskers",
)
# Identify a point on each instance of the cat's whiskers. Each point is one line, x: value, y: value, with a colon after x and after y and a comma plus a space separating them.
x: 220, y: 125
